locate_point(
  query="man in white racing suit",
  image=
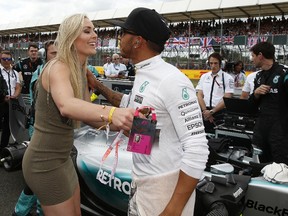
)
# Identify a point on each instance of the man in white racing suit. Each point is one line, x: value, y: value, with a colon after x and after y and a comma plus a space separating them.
x: 164, y: 181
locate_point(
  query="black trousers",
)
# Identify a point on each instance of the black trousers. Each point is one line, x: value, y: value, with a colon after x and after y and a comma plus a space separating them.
x: 4, y: 114
x: 272, y: 138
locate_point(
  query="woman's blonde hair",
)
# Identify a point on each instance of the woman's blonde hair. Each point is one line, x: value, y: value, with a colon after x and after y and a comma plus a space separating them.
x: 68, y: 32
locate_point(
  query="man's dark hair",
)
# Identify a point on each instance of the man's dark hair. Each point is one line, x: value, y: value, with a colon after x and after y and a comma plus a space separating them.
x: 34, y: 45
x: 155, y: 47
x: 7, y: 52
x: 267, y: 49
x: 217, y: 56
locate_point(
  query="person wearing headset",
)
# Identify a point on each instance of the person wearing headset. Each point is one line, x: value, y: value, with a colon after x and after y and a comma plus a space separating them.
x: 27, y: 199
x: 211, y: 88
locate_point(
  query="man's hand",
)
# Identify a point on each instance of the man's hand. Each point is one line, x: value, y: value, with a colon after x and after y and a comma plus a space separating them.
x: 7, y: 98
x: 207, y: 114
x: 262, y: 90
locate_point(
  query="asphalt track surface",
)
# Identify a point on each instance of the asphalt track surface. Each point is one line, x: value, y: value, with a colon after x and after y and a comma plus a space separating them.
x: 11, y: 185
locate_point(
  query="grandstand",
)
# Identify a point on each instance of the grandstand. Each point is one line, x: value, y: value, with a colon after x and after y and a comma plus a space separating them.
x: 199, y: 28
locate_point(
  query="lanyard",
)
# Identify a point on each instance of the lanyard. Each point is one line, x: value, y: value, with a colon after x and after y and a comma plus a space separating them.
x: 212, y: 88
x: 119, y: 138
x: 115, y: 144
x: 211, y: 92
x: 10, y: 73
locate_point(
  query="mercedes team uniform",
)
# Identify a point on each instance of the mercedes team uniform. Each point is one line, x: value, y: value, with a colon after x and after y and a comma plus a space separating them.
x: 214, y: 87
x: 27, y: 67
x: 182, y: 141
x: 214, y: 91
x: 271, y: 128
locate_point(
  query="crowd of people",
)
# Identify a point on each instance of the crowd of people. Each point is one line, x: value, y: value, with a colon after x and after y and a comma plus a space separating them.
x: 200, y: 31
x: 231, y: 27
x: 163, y: 181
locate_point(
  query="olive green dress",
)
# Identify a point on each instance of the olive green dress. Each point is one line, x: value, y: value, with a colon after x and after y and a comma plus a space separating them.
x: 47, y: 167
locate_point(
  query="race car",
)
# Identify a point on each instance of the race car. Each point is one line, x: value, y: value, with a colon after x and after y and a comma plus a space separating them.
x: 102, y: 193
x: 105, y: 193
x: 105, y: 177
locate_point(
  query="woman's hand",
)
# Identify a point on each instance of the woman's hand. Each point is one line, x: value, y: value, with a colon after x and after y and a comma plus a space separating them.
x: 122, y: 118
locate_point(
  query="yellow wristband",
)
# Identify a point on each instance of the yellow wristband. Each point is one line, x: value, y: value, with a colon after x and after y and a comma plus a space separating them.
x: 111, y: 114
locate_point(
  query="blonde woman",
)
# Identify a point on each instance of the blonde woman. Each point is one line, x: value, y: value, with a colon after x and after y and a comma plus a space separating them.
x: 62, y: 104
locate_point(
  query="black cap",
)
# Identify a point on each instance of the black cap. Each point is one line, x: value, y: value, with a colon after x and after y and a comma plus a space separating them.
x: 148, y: 24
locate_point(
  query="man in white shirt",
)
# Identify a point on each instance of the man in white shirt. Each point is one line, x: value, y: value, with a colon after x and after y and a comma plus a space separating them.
x: 248, y: 86
x: 108, y: 62
x: 163, y: 182
x: 116, y: 67
x: 212, y: 87
x: 14, y: 89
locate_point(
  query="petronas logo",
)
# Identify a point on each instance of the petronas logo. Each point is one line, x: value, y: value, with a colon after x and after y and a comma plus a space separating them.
x: 185, y: 94
x: 143, y: 86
